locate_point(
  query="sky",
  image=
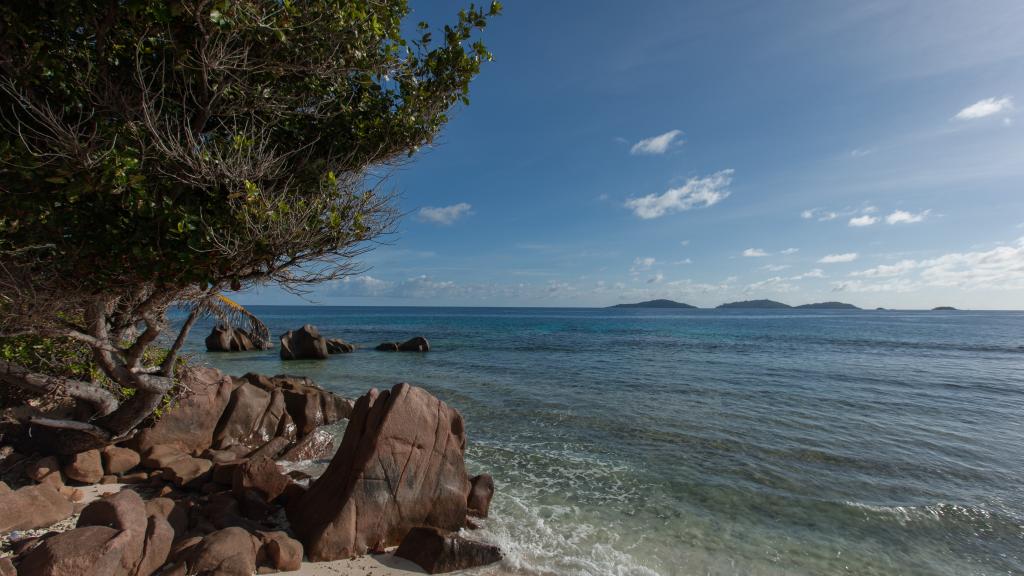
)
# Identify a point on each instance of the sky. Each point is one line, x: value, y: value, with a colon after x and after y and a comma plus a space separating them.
x: 869, y: 152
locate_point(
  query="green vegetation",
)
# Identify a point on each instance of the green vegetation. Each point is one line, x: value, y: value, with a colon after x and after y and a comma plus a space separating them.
x: 154, y: 153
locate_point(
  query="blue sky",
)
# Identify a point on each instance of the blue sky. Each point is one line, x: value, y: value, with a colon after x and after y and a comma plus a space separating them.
x: 868, y: 152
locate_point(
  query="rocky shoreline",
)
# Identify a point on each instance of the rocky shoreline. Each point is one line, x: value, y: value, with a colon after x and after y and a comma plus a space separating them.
x: 201, y: 490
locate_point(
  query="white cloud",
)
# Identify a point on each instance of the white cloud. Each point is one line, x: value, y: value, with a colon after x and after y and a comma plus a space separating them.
x: 903, y: 217
x: 656, y: 144
x: 775, y: 284
x: 887, y: 270
x: 445, y: 215
x: 861, y: 221
x: 789, y: 251
x: 656, y: 279
x: 643, y: 263
x: 684, y: 242
x: 696, y: 193
x: 362, y: 285
x: 1001, y: 268
x: 986, y: 107
x: 815, y: 273
x: 870, y: 209
x: 775, y: 267
x: 754, y: 253
x: 838, y: 258
x: 860, y: 152
x: 819, y: 214
x: 897, y: 285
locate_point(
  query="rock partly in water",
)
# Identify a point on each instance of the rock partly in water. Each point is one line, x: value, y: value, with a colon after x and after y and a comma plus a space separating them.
x: 315, y: 446
x: 227, y: 339
x: 339, y: 346
x: 480, y: 494
x: 438, y: 552
x: 400, y: 465
x: 416, y: 344
x: 33, y: 507
x: 306, y: 343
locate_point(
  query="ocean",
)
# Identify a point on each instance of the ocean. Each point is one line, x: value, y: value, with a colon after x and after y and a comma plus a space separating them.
x: 711, y: 442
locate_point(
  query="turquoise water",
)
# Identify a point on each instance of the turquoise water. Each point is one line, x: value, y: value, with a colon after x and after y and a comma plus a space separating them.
x: 715, y: 442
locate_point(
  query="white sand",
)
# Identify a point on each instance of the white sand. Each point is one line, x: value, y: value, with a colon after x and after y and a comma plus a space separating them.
x: 373, y: 565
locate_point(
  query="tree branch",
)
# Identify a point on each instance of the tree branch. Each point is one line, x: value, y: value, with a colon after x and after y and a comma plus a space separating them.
x: 16, y: 375
x: 167, y: 367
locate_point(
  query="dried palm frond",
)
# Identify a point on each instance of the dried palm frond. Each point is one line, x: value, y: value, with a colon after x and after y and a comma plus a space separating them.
x: 234, y: 315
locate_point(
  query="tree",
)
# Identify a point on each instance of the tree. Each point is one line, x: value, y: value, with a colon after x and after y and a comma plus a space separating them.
x: 154, y: 153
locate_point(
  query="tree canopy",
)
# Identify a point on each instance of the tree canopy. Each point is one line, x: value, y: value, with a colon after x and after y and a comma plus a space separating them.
x: 160, y: 152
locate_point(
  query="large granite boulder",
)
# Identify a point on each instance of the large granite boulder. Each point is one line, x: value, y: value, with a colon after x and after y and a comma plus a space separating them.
x: 306, y: 343
x: 401, y: 464
x: 437, y: 552
x: 227, y: 339
x: 228, y: 552
x: 190, y: 424
x: 87, y: 551
x: 253, y: 417
x: 224, y: 418
x: 124, y: 511
x: 416, y: 344
x: 33, y: 507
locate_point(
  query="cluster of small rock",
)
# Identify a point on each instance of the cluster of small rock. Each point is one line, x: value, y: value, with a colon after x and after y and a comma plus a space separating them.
x: 306, y: 343
x: 222, y: 504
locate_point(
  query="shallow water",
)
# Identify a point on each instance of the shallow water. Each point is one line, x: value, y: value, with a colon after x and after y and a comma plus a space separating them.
x: 715, y: 442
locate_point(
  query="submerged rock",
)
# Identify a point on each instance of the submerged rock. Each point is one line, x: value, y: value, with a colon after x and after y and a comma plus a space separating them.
x: 437, y: 552
x: 306, y: 343
x: 400, y: 465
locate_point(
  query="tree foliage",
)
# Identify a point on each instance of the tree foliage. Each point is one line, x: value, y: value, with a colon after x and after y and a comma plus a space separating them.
x: 157, y: 152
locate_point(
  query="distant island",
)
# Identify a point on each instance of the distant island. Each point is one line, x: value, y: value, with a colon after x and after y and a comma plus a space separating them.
x: 943, y: 308
x: 754, y: 304
x: 661, y: 303
x: 830, y: 306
